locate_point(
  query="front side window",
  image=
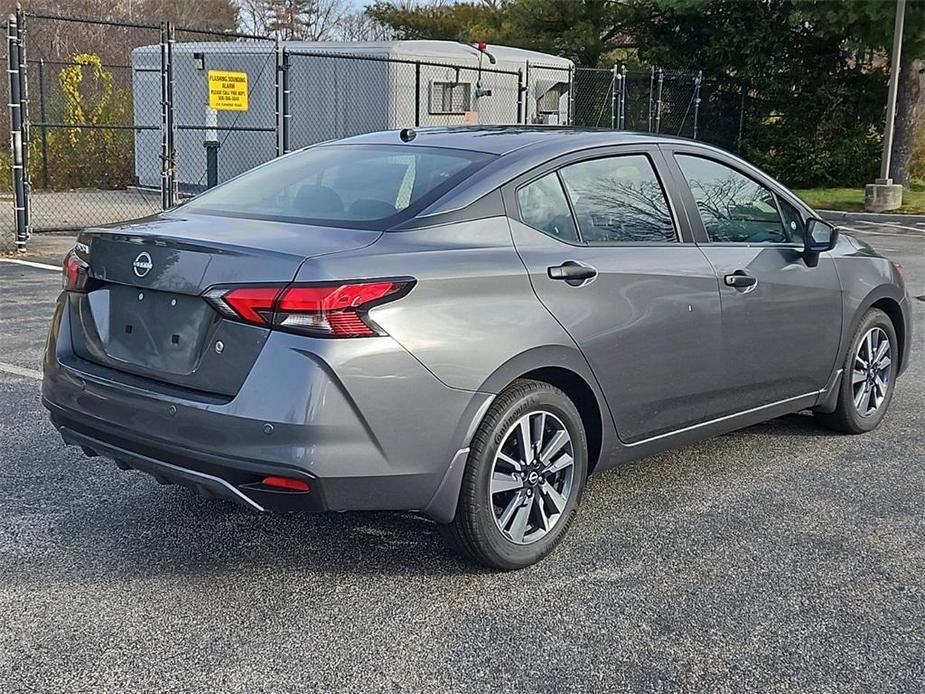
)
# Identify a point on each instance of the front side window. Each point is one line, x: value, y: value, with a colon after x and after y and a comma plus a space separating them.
x: 543, y: 206
x: 618, y: 199
x: 733, y: 207
x: 342, y: 185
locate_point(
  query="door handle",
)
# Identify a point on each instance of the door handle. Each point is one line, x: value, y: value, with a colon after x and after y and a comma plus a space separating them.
x: 740, y: 280
x: 573, y: 273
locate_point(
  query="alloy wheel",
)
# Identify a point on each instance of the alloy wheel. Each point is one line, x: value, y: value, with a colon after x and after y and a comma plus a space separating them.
x: 532, y: 477
x: 870, y: 374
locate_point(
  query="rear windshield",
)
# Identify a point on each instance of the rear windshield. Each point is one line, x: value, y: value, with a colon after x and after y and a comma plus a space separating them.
x: 343, y: 185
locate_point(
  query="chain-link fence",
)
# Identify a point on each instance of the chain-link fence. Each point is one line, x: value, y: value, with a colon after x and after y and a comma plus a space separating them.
x: 215, y: 144
x: 325, y: 88
x: 671, y: 102
x: 114, y: 121
x: 80, y: 121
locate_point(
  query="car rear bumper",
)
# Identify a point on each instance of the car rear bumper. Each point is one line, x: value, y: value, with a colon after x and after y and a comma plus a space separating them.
x: 335, y: 413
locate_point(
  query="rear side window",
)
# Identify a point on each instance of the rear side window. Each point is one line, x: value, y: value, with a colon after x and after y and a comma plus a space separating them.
x: 733, y: 207
x: 343, y: 185
x: 543, y: 206
x: 618, y: 199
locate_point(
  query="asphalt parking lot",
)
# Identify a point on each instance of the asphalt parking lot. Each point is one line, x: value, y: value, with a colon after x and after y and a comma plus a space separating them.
x: 781, y: 557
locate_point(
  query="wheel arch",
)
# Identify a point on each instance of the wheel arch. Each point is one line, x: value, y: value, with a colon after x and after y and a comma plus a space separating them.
x: 566, y: 369
x: 889, y: 299
x: 894, y: 312
x: 581, y: 394
x: 559, y: 365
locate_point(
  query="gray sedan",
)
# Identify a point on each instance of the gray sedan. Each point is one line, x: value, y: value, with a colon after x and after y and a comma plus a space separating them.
x: 465, y: 323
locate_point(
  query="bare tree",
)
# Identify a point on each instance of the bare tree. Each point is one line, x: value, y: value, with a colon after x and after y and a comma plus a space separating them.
x: 304, y: 20
x: 359, y: 26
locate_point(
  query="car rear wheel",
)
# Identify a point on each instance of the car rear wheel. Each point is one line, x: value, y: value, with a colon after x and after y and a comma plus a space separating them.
x: 868, y: 378
x: 524, y: 477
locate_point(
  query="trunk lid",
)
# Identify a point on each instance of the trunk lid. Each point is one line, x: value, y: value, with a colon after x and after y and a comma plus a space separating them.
x: 145, y: 314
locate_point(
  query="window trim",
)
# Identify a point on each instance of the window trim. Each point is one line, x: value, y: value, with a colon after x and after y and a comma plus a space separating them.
x: 684, y: 231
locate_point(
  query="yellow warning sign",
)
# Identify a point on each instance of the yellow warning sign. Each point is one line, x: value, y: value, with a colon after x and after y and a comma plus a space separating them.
x: 227, y: 90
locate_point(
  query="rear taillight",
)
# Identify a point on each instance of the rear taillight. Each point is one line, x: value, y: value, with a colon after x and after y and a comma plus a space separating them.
x: 321, y: 310
x: 74, y: 273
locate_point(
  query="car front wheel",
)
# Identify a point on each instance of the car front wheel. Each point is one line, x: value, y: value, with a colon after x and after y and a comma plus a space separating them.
x: 524, y: 477
x: 868, y: 376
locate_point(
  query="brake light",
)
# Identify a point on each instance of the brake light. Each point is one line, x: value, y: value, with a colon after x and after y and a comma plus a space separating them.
x: 321, y: 310
x: 74, y: 272
x: 253, y: 304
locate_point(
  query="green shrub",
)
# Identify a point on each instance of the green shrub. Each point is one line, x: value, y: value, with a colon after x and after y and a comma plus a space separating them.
x: 87, y: 157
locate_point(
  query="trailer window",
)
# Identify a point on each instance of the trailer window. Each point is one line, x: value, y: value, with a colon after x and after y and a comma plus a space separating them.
x: 343, y: 185
x: 450, y: 98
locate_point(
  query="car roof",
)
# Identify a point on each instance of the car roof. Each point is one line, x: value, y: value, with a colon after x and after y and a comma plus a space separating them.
x: 505, y: 139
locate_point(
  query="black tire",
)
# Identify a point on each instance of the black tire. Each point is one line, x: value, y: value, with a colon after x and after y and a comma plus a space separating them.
x: 474, y: 530
x: 847, y: 418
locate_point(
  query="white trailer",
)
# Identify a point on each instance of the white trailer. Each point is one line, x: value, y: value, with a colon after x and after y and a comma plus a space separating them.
x: 335, y: 90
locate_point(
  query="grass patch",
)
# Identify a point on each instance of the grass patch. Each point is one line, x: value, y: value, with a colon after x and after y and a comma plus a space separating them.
x: 852, y: 199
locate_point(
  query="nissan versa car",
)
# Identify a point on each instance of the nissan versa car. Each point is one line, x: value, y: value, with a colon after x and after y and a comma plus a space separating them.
x: 465, y: 323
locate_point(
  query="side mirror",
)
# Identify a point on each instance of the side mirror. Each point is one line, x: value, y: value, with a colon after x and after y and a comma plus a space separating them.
x: 820, y: 237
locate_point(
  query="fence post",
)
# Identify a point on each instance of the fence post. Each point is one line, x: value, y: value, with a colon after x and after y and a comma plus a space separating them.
x: 520, y: 95
x: 44, y: 120
x: 570, y: 118
x: 168, y: 148
x: 26, y: 127
x: 622, y: 122
x: 614, y: 103
x: 278, y: 94
x: 658, y: 103
x: 287, y: 102
x: 526, y: 92
x: 741, y: 120
x: 165, y: 124
x: 172, y: 115
x: 697, y: 83
x: 651, y: 94
x: 417, y: 94
x: 16, y: 138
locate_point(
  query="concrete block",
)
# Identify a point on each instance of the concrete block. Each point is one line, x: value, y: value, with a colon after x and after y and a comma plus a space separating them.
x: 883, y: 196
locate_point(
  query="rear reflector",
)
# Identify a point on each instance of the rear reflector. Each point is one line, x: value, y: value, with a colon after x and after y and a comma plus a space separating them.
x: 287, y: 483
x: 321, y: 310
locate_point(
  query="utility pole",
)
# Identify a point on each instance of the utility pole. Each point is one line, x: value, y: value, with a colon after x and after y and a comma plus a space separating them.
x: 883, y: 194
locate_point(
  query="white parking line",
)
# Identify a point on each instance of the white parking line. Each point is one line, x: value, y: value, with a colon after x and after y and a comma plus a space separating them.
x: 891, y: 224
x: 29, y: 263
x: 20, y: 371
x: 867, y: 232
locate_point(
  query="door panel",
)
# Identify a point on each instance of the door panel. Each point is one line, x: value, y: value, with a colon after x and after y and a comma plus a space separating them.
x: 782, y: 325
x: 780, y: 337
x: 648, y: 324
